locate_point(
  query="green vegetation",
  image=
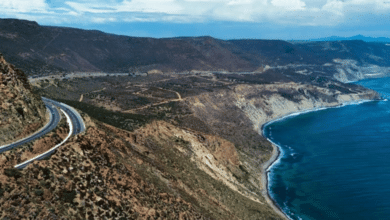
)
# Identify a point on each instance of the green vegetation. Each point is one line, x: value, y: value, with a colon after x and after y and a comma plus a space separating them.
x: 121, y: 120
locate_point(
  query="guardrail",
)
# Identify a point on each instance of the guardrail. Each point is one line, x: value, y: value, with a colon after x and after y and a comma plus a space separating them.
x: 51, y: 151
x: 80, y: 119
x: 7, y: 146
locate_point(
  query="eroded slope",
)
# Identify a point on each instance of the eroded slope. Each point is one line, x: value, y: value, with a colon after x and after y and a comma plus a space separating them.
x: 21, y: 111
x: 159, y: 171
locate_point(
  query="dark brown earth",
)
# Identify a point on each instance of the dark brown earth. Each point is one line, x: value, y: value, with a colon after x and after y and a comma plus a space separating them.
x: 21, y: 111
x: 160, y: 145
x: 193, y: 110
x: 112, y: 173
x: 44, y: 50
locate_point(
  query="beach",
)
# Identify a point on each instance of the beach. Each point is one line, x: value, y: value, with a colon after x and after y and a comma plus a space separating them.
x: 264, y: 181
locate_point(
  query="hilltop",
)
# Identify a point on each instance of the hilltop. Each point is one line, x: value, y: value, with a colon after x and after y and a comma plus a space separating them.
x: 44, y: 50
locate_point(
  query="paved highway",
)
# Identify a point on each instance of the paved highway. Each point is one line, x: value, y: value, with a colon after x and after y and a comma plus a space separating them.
x: 53, y: 122
x: 52, y: 150
x: 76, y: 126
x: 75, y: 117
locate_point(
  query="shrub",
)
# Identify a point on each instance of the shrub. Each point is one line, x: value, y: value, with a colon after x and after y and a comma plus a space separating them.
x: 1, y: 192
x: 38, y: 192
x: 68, y: 196
x: 12, y: 172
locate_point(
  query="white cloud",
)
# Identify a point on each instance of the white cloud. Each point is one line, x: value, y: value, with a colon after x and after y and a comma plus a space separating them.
x: 150, y: 6
x: 289, y: 4
x: 91, y: 8
x: 145, y: 6
x: 334, y: 6
x: 103, y: 20
x: 294, y: 12
x: 23, y: 6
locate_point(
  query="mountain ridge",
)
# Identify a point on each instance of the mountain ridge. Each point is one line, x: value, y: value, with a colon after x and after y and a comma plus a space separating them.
x: 356, y: 37
x: 44, y: 50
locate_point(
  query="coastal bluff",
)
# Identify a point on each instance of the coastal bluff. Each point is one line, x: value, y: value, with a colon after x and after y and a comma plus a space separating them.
x: 256, y: 105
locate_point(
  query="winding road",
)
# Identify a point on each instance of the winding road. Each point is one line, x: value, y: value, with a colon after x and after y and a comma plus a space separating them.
x: 77, y: 121
x: 53, y: 122
x: 74, y: 120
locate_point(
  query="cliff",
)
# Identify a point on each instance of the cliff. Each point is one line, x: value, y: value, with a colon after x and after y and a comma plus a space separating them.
x: 239, y: 113
x: 159, y: 171
x: 212, y: 121
x: 168, y: 146
x: 21, y: 111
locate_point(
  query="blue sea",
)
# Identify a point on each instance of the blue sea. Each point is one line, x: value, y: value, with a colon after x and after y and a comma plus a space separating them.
x: 334, y: 163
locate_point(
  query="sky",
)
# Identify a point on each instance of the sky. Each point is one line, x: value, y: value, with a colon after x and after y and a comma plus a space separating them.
x: 224, y: 19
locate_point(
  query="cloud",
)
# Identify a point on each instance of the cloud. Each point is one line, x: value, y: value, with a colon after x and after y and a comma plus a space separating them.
x: 334, y: 6
x: 145, y: 6
x: 151, y: 6
x: 289, y: 4
x: 15, y: 6
x: 103, y: 20
x: 280, y: 12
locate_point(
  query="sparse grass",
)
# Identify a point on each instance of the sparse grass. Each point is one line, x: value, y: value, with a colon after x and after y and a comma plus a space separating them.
x: 126, y: 121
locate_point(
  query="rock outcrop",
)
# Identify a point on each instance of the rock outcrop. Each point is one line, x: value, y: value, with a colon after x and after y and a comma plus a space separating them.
x: 21, y: 111
x: 159, y: 171
x: 231, y: 113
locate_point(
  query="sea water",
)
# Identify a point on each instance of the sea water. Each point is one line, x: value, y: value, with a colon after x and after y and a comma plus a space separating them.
x: 335, y: 163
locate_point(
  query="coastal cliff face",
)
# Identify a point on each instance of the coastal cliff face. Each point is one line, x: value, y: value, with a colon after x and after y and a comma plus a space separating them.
x: 254, y: 105
x: 21, y: 111
x: 263, y: 103
x: 276, y: 101
x: 159, y: 171
x: 212, y: 121
x: 348, y: 70
x: 192, y: 148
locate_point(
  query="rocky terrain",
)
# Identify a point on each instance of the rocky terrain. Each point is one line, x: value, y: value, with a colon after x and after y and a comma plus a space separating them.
x: 21, y: 111
x: 159, y: 171
x: 225, y: 109
x: 181, y: 139
x: 43, y: 50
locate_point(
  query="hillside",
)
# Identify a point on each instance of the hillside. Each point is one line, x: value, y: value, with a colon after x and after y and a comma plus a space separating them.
x: 46, y: 50
x: 21, y: 111
x: 162, y: 145
x: 202, y: 129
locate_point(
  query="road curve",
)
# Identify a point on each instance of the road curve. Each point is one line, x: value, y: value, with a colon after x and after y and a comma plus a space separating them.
x: 75, y: 117
x: 53, y: 122
x: 76, y: 126
x: 52, y: 150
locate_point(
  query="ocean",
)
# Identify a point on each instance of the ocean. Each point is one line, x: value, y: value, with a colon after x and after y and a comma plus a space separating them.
x: 334, y: 163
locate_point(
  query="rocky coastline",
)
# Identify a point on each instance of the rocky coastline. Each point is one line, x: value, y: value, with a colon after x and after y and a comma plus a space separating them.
x: 276, y: 152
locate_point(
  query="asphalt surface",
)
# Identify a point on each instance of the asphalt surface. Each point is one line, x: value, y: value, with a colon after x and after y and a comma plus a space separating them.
x: 49, y: 152
x: 72, y: 115
x: 54, y: 120
x: 77, y: 127
x: 77, y: 121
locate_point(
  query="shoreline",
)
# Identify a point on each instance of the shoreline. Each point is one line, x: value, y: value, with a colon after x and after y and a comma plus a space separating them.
x: 277, y: 152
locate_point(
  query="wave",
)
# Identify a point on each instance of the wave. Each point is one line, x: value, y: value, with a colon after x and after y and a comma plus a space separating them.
x: 282, y: 153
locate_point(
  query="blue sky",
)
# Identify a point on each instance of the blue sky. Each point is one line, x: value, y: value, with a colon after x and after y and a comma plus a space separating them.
x: 225, y: 19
